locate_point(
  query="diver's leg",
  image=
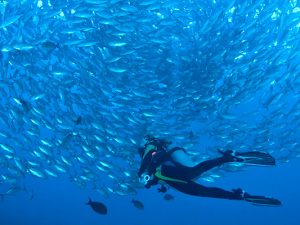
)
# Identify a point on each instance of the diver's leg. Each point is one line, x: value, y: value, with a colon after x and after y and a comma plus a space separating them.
x: 179, y: 158
x: 209, y: 164
x: 196, y: 171
x: 192, y: 188
x: 190, y: 173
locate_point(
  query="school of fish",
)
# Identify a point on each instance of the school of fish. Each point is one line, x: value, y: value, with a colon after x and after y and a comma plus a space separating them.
x: 82, y: 81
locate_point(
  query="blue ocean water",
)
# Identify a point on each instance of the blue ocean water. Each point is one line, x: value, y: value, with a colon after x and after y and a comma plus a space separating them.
x: 59, y: 202
x: 83, y: 81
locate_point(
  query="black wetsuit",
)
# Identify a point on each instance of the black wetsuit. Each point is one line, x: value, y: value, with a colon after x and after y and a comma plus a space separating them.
x: 159, y: 166
x: 182, y: 177
x: 188, y: 174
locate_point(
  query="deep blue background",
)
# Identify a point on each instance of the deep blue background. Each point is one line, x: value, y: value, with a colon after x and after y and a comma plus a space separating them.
x: 57, y: 202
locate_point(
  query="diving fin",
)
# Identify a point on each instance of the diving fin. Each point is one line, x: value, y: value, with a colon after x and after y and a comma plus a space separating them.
x: 255, y: 158
x: 261, y: 200
x: 256, y: 199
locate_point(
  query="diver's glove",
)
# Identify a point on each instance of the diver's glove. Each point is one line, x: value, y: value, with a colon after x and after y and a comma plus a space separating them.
x: 150, y: 183
x: 148, y: 180
x: 162, y: 189
x: 144, y: 178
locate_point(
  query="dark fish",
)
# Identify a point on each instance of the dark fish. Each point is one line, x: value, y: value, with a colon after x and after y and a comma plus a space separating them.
x: 168, y: 197
x: 49, y: 45
x: 98, y: 207
x: 25, y: 105
x: 78, y: 120
x: 191, y: 134
x: 137, y: 204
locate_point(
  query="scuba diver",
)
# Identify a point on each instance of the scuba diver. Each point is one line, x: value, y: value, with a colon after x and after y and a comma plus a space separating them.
x: 174, y: 168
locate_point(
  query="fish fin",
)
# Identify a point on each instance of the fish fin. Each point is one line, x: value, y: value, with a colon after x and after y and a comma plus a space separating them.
x: 89, y: 202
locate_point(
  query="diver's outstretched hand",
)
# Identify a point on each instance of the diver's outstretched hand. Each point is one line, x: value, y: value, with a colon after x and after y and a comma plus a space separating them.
x: 162, y: 189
